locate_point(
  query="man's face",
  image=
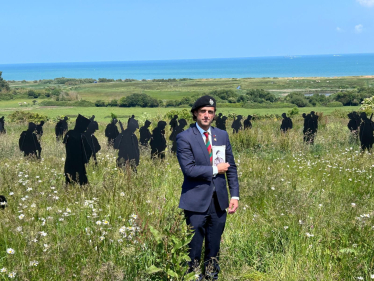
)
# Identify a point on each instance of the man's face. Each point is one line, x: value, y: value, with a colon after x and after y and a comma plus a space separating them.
x: 205, y: 116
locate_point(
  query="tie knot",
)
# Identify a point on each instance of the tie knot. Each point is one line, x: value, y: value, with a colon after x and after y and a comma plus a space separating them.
x: 206, y: 134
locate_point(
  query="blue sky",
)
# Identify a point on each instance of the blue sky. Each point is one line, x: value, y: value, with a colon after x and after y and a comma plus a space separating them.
x: 113, y: 30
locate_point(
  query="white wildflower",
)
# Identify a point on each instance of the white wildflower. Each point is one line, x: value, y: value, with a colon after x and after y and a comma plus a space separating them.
x: 34, y: 263
x: 10, y: 251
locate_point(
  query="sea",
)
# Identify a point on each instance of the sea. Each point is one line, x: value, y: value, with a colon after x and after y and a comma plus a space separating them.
x: 252, y: 67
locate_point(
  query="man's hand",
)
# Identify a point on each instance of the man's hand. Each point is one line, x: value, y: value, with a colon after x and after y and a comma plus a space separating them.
x: 234, y: 203
x: 223, y: 167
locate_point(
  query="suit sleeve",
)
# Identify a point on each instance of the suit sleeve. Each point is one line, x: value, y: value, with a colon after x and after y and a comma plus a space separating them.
x: 231, y: 174
x: 187, y: 161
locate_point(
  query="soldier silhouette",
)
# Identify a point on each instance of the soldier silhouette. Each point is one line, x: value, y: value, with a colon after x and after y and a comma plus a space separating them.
x: 286, y: 123
x: 94, y: 146
x: 366, y: 132
x: 248, y: 123
x: 61, y: 128
x: 3, y: 202
x: 310, y: 127
x: 237, y: 124
x: 39, y: 129
x: 127, y: 144
x: 305, y: 127
x: 77, y: 152
x: 223, y: 123
x: 177, y: 130
x: 132, y: 117
x: 354, y: 123
x: 111, y: 131
x: 145, y: 134
x: 2, y: 125
x: 219, y: 121
x: 29, y: 143
x: 158, y: 141
x: 173, y: 123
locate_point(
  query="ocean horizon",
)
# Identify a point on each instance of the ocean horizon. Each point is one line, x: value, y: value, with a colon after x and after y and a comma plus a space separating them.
x: 252, y: 67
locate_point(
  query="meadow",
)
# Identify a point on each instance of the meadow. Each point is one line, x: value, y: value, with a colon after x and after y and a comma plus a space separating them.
x: 305, y: 212
x: 103, y: 114
x: 179, y: 89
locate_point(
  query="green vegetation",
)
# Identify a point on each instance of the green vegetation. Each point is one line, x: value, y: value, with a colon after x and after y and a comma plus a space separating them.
x: 305, y: 211
x: 4, y: 86
x: 253, y: 93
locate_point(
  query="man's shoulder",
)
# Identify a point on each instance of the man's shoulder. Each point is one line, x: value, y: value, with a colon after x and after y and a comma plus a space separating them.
x: 219, y: 132
x: 187, y: 133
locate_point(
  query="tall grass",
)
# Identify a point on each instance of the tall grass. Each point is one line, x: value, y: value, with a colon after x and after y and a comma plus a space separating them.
x: 305, y: 211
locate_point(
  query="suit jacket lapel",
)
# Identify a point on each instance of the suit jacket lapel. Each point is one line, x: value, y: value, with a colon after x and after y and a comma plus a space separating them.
x: 214, y: 136
x: 200, y: 141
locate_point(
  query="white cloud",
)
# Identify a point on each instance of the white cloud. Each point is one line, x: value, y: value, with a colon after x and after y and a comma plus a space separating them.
x: 359, y: 28
x: 338, y: 29
x: 366, y: 3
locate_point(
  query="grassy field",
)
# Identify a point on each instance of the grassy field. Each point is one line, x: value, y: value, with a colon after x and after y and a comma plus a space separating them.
x: 306, y: 212
x: 179, y: 89
x: 103, y: 113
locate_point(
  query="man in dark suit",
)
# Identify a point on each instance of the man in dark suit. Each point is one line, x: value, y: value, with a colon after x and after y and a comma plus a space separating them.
x: 204, y: 197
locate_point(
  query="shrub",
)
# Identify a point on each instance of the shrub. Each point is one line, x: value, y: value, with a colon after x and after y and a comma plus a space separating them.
x: 141, y: 100
x: 113, y: 103
x: 32, y: 94
x: 6, y: 96
x: 294, y: 111
x: 184, y: 113
x: 100, y: 103
x: 81, y: 103
x: 26, y: 116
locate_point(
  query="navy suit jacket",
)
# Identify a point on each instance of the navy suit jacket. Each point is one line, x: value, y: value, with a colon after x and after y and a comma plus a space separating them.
x: 198, y: 184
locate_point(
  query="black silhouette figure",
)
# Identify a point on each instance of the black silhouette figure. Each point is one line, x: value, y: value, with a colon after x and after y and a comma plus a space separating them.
x: 286, y: 123
x: 132, y: 117
x: 3, y: 202
x: 354, y: 123
x: 61, y: 128
x: 177, y: 130
x: 127, y: 144
x: 366, y: 132
x: 2, y: 125
x: 173, y: 123
x: 310, y: 127
x: 111, y: 132
x: 223, y: 123
x: 29, y: 143
x: 219, y: 121
x: 39, y: 129
x: 247, y: 123
x: 305, y: 127
x: 77, y: 152
x: 145, y: 134
x: 237, y: 124
x: 158, y: 141
x: 94, y: 145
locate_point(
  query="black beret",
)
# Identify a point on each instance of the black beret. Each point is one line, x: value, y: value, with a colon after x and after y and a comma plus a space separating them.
x: 204, y: 101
